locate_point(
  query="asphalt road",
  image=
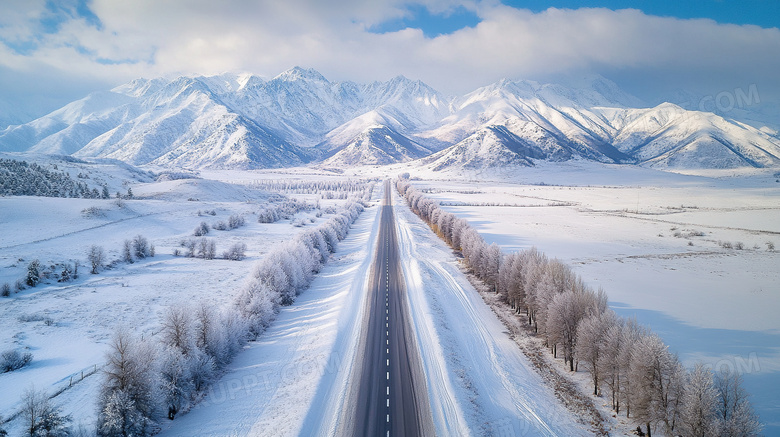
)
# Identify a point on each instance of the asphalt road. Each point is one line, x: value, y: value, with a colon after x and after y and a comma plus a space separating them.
x: 392, y: 398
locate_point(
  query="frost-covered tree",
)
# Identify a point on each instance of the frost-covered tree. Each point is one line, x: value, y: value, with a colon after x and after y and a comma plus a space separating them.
x: 175, y: 379
x: 698, y: 415
x: 33, y: 273
x: 41, y: 418
x: 129, y: 391
x: 657, y: 378
x: 591, y: 344
x: 611, y: 373
x: 120, y: 417
x: 96, y: 256
x: 735, y: 413
x: 127, y: 252
x: 140, y: 247
x: 201, y: 230
x: 177, y: 328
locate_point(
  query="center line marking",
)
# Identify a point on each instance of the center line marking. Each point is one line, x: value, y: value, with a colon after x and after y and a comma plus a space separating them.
x: 388, y: 375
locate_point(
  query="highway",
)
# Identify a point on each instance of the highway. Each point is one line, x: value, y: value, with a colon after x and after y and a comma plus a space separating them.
x: 391, y: 398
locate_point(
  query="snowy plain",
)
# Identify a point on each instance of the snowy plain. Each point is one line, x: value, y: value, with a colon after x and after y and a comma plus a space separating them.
x: 67, y: 325
x: 635, y: 233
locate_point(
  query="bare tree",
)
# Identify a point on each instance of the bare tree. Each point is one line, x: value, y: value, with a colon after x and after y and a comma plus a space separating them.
x: 96, y: 256
x: 140, y: 247
x: 177, y: 328
x: 127, y: 251
x: 41, y: 417
x: 735, y: 413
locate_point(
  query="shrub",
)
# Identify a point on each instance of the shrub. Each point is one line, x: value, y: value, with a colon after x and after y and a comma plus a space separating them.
x: 12, y: 359
x: 237, y: 252
x: 201, y: 230
x: 739, y: 245
x: 6, y: 290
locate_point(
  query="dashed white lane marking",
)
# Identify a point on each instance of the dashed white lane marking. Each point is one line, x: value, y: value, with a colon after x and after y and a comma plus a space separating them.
x: 388, y: 375
x: 388, y: 418
x: 388, y: 362
x: 388, y: 391
x: 388, y: 403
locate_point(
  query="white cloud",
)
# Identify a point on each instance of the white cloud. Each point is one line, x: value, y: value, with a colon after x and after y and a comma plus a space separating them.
x: 267, y: 37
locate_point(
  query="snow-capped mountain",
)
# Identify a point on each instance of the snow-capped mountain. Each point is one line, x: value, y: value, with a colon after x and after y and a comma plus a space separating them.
x: 299, y: 116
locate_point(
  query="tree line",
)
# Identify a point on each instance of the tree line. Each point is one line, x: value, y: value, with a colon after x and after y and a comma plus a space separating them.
x: 147, y: 380
x: 626, y: 361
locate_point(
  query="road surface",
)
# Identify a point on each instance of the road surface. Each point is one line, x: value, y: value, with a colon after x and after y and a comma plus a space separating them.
x: 392, y: 397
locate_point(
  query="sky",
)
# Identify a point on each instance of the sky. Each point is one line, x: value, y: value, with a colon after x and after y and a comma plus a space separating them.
x: 53, y: 52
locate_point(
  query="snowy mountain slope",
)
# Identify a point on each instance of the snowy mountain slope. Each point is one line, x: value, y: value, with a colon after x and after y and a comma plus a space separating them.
x: 669, y: 136
x: 377, y: 145
x: 244, y: 121
x: 370, y: 139
x: 489, y: 147
x: 547, y: 115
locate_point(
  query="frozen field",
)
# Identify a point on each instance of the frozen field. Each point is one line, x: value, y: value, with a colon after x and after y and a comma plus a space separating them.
x: 654, y: 242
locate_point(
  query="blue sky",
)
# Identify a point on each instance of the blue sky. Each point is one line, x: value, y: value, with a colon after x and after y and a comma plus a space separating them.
x: 764, y: 13
x: 56, y: 51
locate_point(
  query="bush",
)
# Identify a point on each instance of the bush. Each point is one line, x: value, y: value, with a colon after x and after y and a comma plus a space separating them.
x: 237, y: 252
x: 141, y: 247
x: 770, y: 245
x: 93, y: 211
x: 201, y: 230
x: 12, y: 359
x: 739, y: 245
x: 236, y: 221
x: 6, y: 290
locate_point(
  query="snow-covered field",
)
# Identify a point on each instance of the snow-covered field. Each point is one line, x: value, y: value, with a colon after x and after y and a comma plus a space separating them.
x: 66, y: 325
x: 653, y: 241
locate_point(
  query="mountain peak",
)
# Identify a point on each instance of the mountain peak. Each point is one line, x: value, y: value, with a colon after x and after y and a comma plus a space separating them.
x: 298, y: 73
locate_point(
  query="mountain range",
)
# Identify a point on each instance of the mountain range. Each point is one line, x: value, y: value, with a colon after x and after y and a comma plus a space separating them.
x: 299, y: 117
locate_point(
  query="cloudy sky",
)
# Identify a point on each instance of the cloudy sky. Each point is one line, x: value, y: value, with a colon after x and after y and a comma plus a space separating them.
x: 52, y: 51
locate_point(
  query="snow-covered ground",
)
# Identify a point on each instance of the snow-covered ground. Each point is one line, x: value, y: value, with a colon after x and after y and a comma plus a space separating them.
x: 708, y: 302
x: 479, y: 382
x: 66, y: 326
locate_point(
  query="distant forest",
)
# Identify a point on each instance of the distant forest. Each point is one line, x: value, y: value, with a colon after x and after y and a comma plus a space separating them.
x: 20, y: 178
